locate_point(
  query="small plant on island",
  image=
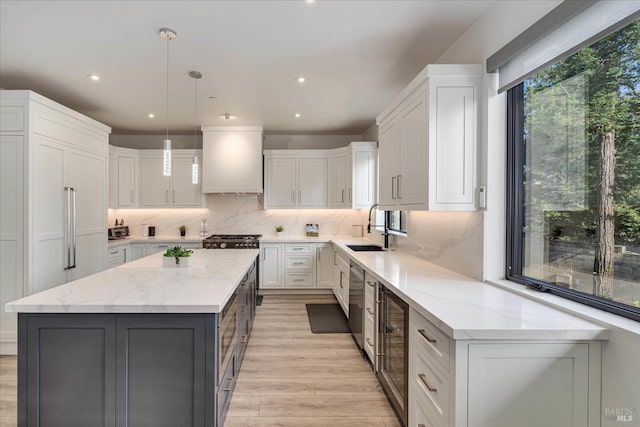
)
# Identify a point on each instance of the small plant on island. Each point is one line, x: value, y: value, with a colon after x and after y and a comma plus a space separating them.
x: 279, y: 228
x: 177, y: 252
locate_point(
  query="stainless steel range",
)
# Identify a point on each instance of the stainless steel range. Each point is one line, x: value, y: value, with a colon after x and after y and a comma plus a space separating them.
x: 232, y: 241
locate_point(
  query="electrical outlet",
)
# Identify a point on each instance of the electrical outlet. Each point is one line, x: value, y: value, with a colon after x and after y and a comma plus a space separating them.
x: 420, y: 250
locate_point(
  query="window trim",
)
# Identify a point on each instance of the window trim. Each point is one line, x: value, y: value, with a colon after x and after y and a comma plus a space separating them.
x: 515, y: 211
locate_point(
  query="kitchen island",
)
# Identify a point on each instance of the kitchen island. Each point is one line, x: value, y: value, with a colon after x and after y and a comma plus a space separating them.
x: 137, y: 345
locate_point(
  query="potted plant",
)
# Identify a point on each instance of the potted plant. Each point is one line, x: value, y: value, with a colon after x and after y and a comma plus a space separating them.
x: 177, y: 257
x: 279, y: 230
x: 183, y: 230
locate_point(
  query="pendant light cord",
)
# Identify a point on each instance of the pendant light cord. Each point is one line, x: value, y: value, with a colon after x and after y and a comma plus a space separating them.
x: 167, y: 109
x: 195, y: 113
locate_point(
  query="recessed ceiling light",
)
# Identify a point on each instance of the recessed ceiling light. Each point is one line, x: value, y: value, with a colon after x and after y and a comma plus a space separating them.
x: 93, y: 77
x: 151, y: 115
x: 300, y: 79
x: 297, y: 115
x: 310, y: 1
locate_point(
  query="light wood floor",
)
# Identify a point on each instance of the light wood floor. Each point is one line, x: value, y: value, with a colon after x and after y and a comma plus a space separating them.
x: 289, y: 377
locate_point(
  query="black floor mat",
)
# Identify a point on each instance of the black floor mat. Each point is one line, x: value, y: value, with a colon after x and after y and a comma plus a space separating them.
x: 259, y: 300
x: 327, y: 319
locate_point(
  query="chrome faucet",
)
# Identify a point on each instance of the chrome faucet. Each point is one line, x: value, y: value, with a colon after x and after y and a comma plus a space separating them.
x: 369, y: 225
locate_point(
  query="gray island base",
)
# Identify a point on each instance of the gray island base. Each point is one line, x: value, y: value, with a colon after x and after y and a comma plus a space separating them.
x: 136, y: 369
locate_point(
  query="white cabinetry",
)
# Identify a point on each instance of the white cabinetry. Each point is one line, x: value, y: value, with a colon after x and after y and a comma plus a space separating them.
x: 141, y: 249
x: 370, y: 319
x: 138, y: 250
x: 232, y: 159
x: 296, y: 179
x: 324, y: 265
x: 428, y: 138
x: 341, y: 280
x: 46, y: 148
x: 177, y: 190
x: 482, y: 383
x: 353, y: 175
x: 271, y: 265
x: 123, y: 177
x: 118, y: 255
x: 296, y: 265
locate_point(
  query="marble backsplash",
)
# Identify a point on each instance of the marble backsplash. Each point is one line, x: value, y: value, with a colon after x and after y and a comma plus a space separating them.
x: 239, y: 214
x: 450, y: 239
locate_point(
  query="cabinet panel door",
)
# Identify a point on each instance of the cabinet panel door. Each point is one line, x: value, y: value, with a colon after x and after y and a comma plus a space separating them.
x: 529, y: 385
x: 363, y: 193
x: 161, y: 371
x: 154, y: 186
x: 184, y: 192
x: 340, y: 195
x: 454, y: 146
x: 271, y: 266
x: 126, y: 181
x: 113, y: 179
x: 138, y: 250
x: 312, y: 182
x: 280, y: 183
x: 412, y: 183
x: 74, y: 371
x: 86, y: 173
x: 324, y: 265
x: 389, y: 162
x: 49, y: 218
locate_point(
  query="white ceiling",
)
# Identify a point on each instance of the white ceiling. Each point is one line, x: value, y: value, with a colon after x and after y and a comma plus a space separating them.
x: 356, y: 56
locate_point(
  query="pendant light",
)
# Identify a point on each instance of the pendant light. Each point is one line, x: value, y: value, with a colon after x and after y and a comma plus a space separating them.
x: 195, y: 75
x: 168, y: 34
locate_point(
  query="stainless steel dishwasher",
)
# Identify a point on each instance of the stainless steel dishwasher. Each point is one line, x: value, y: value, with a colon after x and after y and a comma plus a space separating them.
x: 356, y: 303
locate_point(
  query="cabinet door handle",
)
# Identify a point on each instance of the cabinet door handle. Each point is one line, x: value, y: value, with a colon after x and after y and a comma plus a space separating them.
x: 229, y: 382
x: 299, y: 196
x: 132, y: 196
x: 341, y: 279
x: 243, y: 340
x: 350, y: 195
x: 369, y: 342
x: 370, y: 311
x: 174, y: 196
x: 423, y: 378
x: 318, y: 254
x: 293, y: 196
x: 166, y: 196
x: 393, y: 187
x: 264, y: 255
x: 398, y: 187
x: 334, y: 257
x: 342, y: 196
x: 370, y: 284
x: 427, y: 337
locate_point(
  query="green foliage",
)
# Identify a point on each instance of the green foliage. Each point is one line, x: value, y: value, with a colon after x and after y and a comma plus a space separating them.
x: 177, y: 252
x: 279, y: 228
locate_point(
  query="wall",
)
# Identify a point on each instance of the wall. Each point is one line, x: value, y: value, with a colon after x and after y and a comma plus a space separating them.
x: 279, y: 142
x: 150, y: 142
x: 239, y: 214
x: 620, y: 367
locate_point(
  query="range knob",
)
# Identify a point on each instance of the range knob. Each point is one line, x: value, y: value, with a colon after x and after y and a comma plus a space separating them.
x: 223, y: 245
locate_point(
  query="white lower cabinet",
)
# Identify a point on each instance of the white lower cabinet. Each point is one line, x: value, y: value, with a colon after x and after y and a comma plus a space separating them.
x: 370, y: 290
x: 292, y: 265
x: 489, y: 383
x: 341, y: 280
x: 142, y: 249
x: 118, y: 255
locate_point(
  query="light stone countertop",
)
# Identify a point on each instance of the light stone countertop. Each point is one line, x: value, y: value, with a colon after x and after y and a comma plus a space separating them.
x: 465, y: 308
x: 154, y: 239
x: 144, y: 286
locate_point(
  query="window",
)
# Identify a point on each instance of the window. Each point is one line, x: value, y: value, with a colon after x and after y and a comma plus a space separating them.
x: 574, y: 176
x: 397, y: 222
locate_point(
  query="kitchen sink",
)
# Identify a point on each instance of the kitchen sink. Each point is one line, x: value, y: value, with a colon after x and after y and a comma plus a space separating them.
x: 365, y: 248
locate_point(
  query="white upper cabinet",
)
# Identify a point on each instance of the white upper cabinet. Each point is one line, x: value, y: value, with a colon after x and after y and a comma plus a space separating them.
x: 353, y: 175
x: 123, y: 177
x: 428, y: 138
x: 177, y: 190
x: 232, y: 159
x: 296, y: 179
x: 340, y: 190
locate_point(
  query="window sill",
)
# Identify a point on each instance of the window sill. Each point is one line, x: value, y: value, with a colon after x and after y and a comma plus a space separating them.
x: 577, y: 309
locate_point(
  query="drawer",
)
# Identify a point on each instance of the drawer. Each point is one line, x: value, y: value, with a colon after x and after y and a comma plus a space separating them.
x: 225, y: 390
x: 301, y: 248
x: 422, y: 417
x: 293, y: 262
x: 302, y: 280
x: 342, y: 261
x: 432, y: 387
x: 430, y: 340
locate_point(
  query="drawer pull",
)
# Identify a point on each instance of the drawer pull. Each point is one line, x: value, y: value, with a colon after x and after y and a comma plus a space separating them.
x: 370, y: 284
x: 423, y: 378
x: 243, y: 340
x: 298, y: 280
x: 114, y: 252
x: 427, y: 337
x: 421, y: 425
x: 298, y: 263
x: 296, y: 249
x: 370, y: 311
x: 229, y: 382
x: 369, y: 342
